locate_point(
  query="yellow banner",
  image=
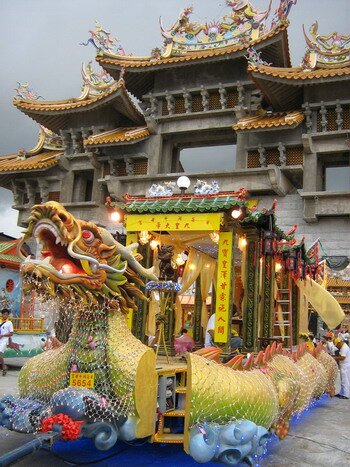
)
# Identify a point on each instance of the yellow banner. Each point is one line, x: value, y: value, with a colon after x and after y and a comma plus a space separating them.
x: 171, y: 222
x: 223, y: 287
x: 82, y: 380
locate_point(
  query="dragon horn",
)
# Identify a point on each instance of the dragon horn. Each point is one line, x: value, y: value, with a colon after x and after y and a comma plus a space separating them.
x: 249, y: 363
x: 267, y: 355
x: 279, y: 349
x: 260, y: 359
x: 236, y: 362
x: 273, y: 348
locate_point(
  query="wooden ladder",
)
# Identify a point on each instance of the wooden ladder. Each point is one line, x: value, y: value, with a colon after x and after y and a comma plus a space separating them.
x: 283, y: 317
x: 173, y: 438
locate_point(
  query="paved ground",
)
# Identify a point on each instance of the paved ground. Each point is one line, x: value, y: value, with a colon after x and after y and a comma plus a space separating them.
x: 321, y: 437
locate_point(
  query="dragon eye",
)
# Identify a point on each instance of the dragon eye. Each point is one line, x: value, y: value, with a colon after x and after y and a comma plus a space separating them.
x: 88, y: 236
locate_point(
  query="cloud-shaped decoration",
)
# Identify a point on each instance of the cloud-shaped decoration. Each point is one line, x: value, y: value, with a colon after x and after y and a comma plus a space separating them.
x: 20, y: 414
x: 104, y: 434
x: 230, y: 444
x: 72, y: 401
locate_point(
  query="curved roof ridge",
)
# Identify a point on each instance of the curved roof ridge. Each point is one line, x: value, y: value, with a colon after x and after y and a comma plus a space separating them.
x: 131, y: 61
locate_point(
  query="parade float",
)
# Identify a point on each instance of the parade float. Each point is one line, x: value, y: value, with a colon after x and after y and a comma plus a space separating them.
x: 103, y: 383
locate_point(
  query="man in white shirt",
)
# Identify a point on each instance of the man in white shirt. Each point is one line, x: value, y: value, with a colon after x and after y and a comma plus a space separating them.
x: 6, y: 331
x: 209, y: 332
x: 344, y: 365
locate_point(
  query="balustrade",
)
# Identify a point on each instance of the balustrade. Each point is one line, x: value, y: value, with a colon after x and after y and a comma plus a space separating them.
x: 189, y: 101
x: 327, y: 116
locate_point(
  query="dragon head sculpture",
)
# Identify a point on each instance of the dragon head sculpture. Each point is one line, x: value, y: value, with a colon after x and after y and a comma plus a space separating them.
x: 75, y: 255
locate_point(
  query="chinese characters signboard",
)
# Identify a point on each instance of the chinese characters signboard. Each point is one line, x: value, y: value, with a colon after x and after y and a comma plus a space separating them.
x: 173, y: 222
x: 82, y: 380
x: 223, y: 287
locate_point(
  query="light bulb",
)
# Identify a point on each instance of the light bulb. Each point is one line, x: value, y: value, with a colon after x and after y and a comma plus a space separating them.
x: 236, y: 213
x: 115, y: 216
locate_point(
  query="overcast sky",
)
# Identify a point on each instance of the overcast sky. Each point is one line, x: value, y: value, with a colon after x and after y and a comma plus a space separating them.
x: 39, y: 43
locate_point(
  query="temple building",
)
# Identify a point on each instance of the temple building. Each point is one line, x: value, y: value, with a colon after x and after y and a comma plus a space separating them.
x: 224, y: 85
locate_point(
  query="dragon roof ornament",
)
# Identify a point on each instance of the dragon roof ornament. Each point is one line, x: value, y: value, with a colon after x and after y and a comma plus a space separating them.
x: 332, y: 51
x: 23, y: 91
x: 95, y: 82
x: 242, y: 25
x: 103, y: 41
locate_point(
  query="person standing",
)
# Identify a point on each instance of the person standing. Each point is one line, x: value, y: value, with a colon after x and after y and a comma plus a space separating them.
x: 344, y: 365
x: 209, y: 332
x: 6, y: 331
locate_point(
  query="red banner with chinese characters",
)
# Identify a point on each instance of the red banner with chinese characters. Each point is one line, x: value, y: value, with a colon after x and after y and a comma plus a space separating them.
x: 223, y: 287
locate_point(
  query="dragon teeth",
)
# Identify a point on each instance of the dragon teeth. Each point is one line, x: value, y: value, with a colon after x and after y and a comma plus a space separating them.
x: 46, y: 260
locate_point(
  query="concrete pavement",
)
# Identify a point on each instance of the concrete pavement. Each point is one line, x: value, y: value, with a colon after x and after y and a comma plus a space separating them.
x: 321, y: 437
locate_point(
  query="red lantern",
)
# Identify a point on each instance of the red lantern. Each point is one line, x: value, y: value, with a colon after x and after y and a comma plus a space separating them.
x: 268, y: 242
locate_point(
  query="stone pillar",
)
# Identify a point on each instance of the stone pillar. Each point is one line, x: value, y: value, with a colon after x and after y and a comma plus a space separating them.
x: 77, y: 142
x: 241, y: 156
x: 267, y: 297
x: 251, y: 297
x: 154, y: 149
x: 67, y: 185
x: 31, y: 190
x: 67, y: 141
x: 310, y: 182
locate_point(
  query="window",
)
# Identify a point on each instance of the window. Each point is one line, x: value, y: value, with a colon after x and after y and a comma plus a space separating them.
x: 208, y: 158
x: 83, y: 186
x: 337, y: 173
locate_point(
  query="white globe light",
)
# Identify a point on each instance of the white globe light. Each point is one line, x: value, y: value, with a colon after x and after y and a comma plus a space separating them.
x: 236, y: 213
x: 115, y: 216
x: 183, y: 182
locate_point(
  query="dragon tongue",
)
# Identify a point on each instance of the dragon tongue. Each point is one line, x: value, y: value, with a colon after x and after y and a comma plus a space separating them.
x: 65, y: 266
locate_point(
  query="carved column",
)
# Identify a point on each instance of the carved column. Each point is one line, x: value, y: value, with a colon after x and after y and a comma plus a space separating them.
x: 67, y: 141
x: 324, y: 120
x: 241, y: 93
x: 262, y: 155
x: 339, y: 112
x: 170, y: 103
x: 129, y: 166
x: 205, y: 98
x: 282, y: 154
x: 308, y: 116
x: 267, y: 297
x: 44, y: 190
x: 77, y: 142
x: 187, y: 101
x: 153, y: 110
x: 251, y: 297
x: 223, y: 96
x: 17, y: 194
x: 31, y: 190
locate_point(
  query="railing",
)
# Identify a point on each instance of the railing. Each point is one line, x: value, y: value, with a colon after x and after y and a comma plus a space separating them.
x: 327, y: 116
x: 28, y: 325
x: 193, y: 100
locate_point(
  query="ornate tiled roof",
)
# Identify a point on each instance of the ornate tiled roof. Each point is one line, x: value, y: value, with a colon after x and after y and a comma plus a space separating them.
x: 17, y: 162
x: 139, y: 62
x: 183, y: 203
x: 332, y: 51
x: 83, y: 100
x: 118, y: 135
x: 265, y: 121
x: 45, y: 154
x: 298, y: 73
x: 7, y: 250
